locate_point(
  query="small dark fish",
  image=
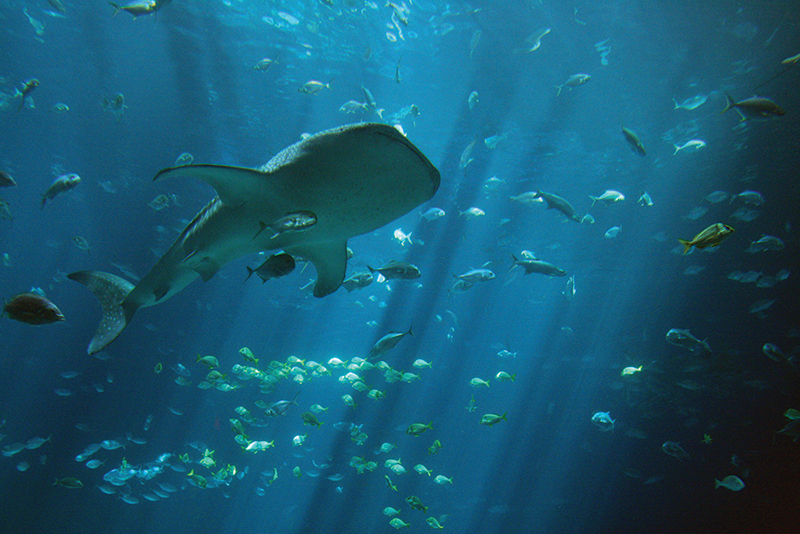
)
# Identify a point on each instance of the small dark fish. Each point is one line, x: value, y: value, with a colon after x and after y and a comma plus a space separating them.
x: 388, y: 342
x: 68, y: 482
x: 117, y: 104
x: 58, y: 6
x: 34, y: 309
x: 533, y: 265
x: 397, y: 77
x: 416, y: 503
x: 310, y: 419
x: 82, y: 243
x: 399, y: 270
x: 27, y: 87
x: 634, y: 141
x: 6, y: 180
x: 558, y: 203
x: 276, y: 266
x: 292, y: 222
x: 5, y: 210
x: 369, y: 100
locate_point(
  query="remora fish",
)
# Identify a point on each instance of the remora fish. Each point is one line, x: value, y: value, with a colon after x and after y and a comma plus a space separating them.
x: 354, y: 178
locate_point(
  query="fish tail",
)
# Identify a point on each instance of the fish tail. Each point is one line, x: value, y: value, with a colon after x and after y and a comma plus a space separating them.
x: 559, y: 87
x: 594, y: 199
x: 686, y: 245
x: 116, y: 7
x: 111, y: 291
x: 249, y: 273
x: 677, y: 148
x: 730, y: 102
x: 676, y: 104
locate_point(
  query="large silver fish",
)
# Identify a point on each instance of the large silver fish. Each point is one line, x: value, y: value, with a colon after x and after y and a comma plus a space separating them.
x: 354, y: 179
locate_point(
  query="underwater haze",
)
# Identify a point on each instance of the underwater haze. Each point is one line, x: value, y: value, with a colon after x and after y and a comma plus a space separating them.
x: 591, y: 326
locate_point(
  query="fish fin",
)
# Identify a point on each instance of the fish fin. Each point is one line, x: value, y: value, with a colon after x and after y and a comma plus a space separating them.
x: 330, y: 261
x: 262, y: 226
x: 206, y: 269
x: 234, y: 185
x: 111, y: 290
x: 686, y: 245
x: 729, y: 103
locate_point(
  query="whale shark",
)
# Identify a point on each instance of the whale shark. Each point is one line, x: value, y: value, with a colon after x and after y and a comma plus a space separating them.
x: 338, y: 184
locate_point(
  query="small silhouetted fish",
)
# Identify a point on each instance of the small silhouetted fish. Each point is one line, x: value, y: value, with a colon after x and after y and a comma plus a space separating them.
x: 5, y: 211
x: 82, y: 243
x: 276, y: 266
x: 32, y: 309
x: 396, y: 270
x: 634, y: 141
x: 6, y: 180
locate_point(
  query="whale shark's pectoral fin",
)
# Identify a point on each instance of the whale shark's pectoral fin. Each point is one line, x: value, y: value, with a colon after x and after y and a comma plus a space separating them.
x: 207, y: 269
x: 330, y: 261
x: 111, y: 291
x: 234, y: 185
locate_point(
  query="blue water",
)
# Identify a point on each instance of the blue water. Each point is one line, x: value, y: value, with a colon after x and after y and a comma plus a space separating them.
x: 189, y: 85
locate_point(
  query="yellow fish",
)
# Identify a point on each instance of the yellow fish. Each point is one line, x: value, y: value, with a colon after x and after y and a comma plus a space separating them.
x: 630, y: 370
x: 710, y: 237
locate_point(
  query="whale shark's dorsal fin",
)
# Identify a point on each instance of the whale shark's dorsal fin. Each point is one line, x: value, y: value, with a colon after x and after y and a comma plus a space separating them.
x: 234, y: 185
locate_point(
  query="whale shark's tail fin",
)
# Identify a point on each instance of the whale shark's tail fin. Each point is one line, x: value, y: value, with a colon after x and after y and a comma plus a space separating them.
x: 111, y: 291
